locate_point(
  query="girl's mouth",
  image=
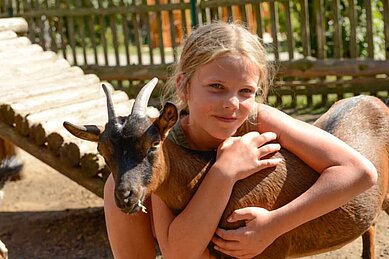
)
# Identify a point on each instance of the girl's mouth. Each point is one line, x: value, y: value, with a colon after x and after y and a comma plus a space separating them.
x: 225, y: 118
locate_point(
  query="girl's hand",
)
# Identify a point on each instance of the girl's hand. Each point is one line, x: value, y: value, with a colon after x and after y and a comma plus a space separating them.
x: 240, y: 157
x: 247, y: 242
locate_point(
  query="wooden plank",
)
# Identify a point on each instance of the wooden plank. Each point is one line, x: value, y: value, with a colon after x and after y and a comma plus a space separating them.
x: 347, y: 67
x: 137, y: 33
x: 338, y: 44
x: 305, y: 34
x: 149, y: 38
x: 56, y: 137
x: 320, y: 28
x: 93, y: 184
x: 369, y: 29
x: 274, y: 30
x: 386, y: 26
x: 54, y: 84
x: 353, y: 29
x: 172, y: 33
x: 160, y: 35
x: 81, y: 21
x: 16, y: 24
x: 126, y: 35
x: 14, y: 43
x: 70, y: 34
x: 115, y: 42
x: 289, y: 30
x: 92, y: 24
x: 103, y: 31
x: 133, y: 72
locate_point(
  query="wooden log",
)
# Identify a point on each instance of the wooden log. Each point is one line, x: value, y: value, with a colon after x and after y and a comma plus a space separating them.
x: 56, y: 136
x: 72, y: 151
x: 55, y: 83
x: 6, y: 35
x: 49, y: 100
x: 33, y: 49
x: 16, y: 24
x: 69, y: 111
x: 14, y: 43
x: 35, y: 72
x: 32, y: 58
x: 34, y: 104
x: 92, y: 164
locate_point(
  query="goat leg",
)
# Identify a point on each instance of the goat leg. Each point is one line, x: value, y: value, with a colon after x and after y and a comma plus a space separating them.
x: 368, y: 241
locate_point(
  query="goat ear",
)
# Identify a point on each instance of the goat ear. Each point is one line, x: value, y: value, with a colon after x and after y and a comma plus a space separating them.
x: 87, y: 132
x: 167, y: 119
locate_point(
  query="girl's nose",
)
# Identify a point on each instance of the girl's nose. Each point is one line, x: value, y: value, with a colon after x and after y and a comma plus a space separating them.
x: 231, y: 103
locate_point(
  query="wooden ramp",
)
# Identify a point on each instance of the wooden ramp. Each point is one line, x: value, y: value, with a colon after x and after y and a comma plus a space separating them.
x: 38, y: 91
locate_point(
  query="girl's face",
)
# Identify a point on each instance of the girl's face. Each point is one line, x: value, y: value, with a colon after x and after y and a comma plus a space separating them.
x: 220, y: 96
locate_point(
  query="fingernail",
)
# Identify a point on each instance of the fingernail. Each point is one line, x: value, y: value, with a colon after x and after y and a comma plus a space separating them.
x: 229, y: 219
x: 216, y: 248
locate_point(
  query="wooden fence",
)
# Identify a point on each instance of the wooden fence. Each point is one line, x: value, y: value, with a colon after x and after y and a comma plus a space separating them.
x: 322, y: 48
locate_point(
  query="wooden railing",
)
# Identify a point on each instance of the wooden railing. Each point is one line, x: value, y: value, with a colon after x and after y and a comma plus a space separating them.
x: 320, y: 47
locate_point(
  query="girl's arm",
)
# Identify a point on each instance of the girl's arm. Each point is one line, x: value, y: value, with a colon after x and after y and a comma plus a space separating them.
x: 188, y: 234
x: 344, y: 174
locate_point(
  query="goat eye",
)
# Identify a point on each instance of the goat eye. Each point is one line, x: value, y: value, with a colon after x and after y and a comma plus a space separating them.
x: 155, y: 144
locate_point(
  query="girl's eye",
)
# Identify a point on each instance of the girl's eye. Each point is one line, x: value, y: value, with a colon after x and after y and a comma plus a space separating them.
x: 246, y: 90
x: 216, y: 86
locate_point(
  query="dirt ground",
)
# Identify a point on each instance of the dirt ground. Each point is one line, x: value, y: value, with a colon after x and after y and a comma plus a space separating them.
x: 46, y: 215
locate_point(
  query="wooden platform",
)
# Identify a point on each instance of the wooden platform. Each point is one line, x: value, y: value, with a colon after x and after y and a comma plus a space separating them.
x: 38, y: 91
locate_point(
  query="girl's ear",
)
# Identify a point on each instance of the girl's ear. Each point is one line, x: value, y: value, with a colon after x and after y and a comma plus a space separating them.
x: 182, y: 90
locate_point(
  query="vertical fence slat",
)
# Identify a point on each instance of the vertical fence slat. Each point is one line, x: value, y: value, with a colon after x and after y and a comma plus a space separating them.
x: 172, y: 33
x: 92, y: 33
x: 61, y: 31
x: 183, y: 21
x: 369, y: 29
x: 242, y: 9
x: 353, y: 29
x: 320, y: 28
x: 149, y: 39
x: 102, y: 34
x: 305, y: 35
x: 289, y: 30
x: 115, y: 42
x: 160, y: 34
x: 137, y: 31
x: 386, y: 26
x: 258, y: 15
x: 70, y: 34
x: 337, y: 30
x: 126, y: 34
x: 81, y: 26
x: 274, y: 29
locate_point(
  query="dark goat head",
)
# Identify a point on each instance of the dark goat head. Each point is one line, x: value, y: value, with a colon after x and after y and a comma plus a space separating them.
x: 132, y: 147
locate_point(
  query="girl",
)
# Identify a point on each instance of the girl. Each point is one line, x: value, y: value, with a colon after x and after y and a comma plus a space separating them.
x: 221, y: 68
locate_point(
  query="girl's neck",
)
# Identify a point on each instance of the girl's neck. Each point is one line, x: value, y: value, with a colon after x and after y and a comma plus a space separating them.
x: 198, y: 139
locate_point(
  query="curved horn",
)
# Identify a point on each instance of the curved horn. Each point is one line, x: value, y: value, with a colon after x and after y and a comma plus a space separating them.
x: 111, y: 110
x: 143, y: 97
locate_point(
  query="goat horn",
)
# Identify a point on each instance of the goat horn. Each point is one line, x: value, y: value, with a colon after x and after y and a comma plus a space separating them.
x: 143, y: 97
x: 111, y: 110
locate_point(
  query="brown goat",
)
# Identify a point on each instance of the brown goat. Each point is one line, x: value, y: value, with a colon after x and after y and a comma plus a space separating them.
x: 143, y: 160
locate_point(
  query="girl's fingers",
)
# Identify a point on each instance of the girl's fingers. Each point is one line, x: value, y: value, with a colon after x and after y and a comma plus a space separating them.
x: 268, y: 149
x: 266, y: 163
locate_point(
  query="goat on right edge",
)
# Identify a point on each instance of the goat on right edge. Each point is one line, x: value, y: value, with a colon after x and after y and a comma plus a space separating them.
x: 147, y: 161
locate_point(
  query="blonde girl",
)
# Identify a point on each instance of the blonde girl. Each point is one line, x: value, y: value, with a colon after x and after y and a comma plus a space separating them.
x: 221, y: 68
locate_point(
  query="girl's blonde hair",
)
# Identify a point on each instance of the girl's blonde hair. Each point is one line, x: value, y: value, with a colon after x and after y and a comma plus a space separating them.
x: 213, y: 40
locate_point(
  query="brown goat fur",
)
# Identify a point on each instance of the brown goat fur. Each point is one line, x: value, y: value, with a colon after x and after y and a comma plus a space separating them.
x: 362, y: 122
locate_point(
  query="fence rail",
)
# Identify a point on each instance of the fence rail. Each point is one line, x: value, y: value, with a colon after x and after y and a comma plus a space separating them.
x: 339, y: 45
